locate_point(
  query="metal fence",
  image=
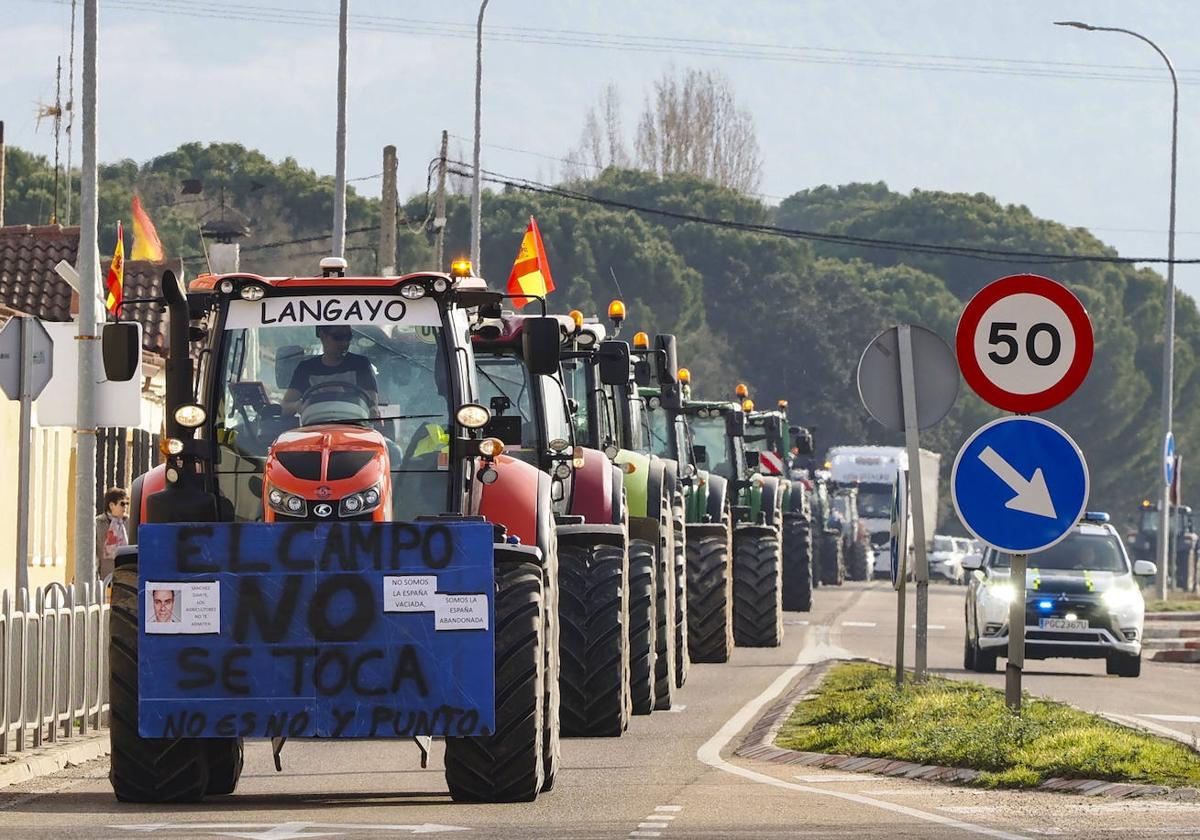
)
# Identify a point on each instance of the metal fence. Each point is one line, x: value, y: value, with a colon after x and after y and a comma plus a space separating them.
x: 53, y: 665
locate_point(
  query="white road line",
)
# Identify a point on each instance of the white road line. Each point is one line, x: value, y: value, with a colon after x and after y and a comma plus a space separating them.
x: 858, y: 624
x: 645, y: 834
x: 668, y: 808
x: 651, y: 825
x: 710, y: 754
x: 657, y: 817
x: 1174, y: 718
x: 930, y: 626
x: 799, y: 622
x: 677, y: 707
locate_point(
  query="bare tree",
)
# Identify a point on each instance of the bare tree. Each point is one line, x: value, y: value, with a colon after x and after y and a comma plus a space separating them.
x: 602, y: 143
x: 694, y: 125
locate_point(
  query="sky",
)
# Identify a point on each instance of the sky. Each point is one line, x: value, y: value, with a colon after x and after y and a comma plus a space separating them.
x: 929, y: 94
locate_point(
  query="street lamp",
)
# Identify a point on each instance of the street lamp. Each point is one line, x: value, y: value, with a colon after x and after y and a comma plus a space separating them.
x: 476, y: 199
x: 1164, y: 530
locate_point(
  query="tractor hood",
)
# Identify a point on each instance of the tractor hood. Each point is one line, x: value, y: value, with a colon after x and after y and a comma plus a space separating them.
x: 336, y: 457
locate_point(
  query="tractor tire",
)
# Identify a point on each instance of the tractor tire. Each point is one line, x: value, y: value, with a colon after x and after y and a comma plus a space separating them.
x: 664, y: 615
x: 143, y: 769
x: 797, y: 564
x: 710, y: 600
x: 225, y: 759
x: 642, y: 624
x: 507, y: 766
x: 594, y: 644
x: 682, y: 660
x: 833, y: 567
x: 757, y: 590
x: 856, y: 563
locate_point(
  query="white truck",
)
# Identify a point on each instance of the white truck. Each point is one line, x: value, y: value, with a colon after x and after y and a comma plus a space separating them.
x: 873, y: 470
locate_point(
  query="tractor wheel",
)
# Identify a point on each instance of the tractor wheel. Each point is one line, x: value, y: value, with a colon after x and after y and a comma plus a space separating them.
x: 797, y: 564
x: 710, y: 600
x: 642, y: 623
x: 757, y: 590
x: 595, y: 652
x: 143, y: 769
x: 225, y: 759
x: 856, y: 563
x: 832, y: 565
x: 507, y: 766
x: 681, y: 628
x: 551, y: 716
x: 664, y: 615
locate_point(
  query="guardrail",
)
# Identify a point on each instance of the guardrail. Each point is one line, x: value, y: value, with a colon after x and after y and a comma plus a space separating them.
x: 53, y: 665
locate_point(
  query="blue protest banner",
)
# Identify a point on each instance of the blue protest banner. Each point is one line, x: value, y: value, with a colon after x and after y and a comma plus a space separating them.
x: 344, y: 629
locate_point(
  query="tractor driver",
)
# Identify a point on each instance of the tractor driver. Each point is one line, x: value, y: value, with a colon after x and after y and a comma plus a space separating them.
x: 335, y: 364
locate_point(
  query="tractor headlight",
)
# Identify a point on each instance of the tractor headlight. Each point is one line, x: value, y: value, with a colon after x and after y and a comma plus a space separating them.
x: 288, y: 504
x: 412, y: 291
x: 190, y: 416
x: 440, y: 285
x: 174, y: 446
x: 365, y: 501
x: 252, y: 292
x: 562, y: 470
x: 473, y: 416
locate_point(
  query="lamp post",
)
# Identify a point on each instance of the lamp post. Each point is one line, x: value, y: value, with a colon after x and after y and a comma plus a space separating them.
x: 1164, y: 528
x: 476, y: 199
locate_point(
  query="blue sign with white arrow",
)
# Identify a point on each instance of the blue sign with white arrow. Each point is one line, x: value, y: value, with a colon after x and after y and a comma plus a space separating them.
x: 1020, y: 484
x: 1169, y: 459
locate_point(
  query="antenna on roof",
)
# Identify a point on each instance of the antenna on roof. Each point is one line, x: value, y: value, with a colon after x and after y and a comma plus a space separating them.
x: 617, y: 283
x: 204, y: 247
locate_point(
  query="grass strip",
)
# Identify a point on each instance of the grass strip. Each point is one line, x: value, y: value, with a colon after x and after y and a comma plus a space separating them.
x: 1174, y: 605
x: 858, y: 710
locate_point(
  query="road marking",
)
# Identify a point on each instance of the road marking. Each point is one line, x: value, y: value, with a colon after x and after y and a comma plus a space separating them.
x: 799, y: 622
x: 658, y: 817
x: 839, y: 777
x: 858, y: 624
x: 970, y: 809
x: 651, y: 825
x: 930, y: 626
x: 285, y: 830
x: 677, y: 707
x: 645, y: 834
x: 668, y: 808
x: 1174, y: 718
x: 710, y: 751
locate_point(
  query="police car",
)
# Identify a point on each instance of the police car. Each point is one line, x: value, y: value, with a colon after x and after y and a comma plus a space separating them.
x: 1082, y: 601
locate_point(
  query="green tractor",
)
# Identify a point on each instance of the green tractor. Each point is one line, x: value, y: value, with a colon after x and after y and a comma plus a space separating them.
x: 599, y: 380
x: 716, y: 436
x: 770, y: 440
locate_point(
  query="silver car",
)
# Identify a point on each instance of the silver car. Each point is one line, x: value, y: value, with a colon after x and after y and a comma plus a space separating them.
x: 1082, y: 601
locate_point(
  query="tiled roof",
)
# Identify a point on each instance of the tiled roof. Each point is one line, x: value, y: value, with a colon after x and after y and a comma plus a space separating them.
x: 29, y: 283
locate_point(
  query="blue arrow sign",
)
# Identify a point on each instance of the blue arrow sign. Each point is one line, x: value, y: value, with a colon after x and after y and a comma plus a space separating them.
x: 1019, y: 484
x: 1169, y: 459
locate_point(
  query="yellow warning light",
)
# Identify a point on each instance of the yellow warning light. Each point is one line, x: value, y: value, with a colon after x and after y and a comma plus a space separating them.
x: 747, y: 404
x: 1145, y: 503
x: 616, y: 311
x: 741, y: 390
x: 577, y: 317
x: 460, y: 268
x: 641, y: 341
x: 783, y: 405
x: 685, y: 376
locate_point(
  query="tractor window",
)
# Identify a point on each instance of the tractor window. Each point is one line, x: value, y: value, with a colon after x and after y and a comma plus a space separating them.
x: 576, y: 386
x: 554, y: 398
x: 659, y: 427
x: 391, y: 378
x: 504, y: 388
x: 709, y: 432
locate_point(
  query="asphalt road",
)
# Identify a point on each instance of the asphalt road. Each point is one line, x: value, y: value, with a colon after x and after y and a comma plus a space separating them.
x: 671, y: 775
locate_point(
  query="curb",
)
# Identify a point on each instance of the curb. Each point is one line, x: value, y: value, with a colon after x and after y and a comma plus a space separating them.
x: 53, y: 758
x: 759, y: 744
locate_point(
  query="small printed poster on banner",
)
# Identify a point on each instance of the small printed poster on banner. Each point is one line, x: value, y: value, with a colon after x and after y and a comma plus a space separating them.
x: 183, y: 607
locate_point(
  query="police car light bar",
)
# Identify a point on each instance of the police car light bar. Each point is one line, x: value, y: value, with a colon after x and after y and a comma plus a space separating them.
x: 1095, y: 516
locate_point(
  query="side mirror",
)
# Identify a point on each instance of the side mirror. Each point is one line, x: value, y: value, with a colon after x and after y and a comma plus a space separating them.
x: 700, y: 452
x: 735, y: 424
x: 666, y: 362
x: 972, y: 563
x: 802, y: 440
x: 641, y: 373
x: 119, y: 346
x: 614, y: 360
x: 1145, y: 568
x: 541, y: 345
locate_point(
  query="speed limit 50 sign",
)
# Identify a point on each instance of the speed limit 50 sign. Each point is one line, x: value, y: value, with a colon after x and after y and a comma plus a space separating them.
x: 1024, y: 343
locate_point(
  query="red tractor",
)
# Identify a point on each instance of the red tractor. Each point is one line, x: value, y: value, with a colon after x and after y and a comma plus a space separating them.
x: 532, y: 416
x: 300, y: 409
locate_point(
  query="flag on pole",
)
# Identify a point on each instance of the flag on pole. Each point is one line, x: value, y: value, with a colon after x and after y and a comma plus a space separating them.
x: 116, y: 274
x: 531, y: 270
x: 146, y: 245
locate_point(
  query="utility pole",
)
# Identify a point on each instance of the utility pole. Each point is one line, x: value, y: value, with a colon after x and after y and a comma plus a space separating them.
x: 439, y: 212
x: 387, y: 214
x: 339, y: 183
x: 2, y: 171
x: 89, y: 285
x: 476, y: 198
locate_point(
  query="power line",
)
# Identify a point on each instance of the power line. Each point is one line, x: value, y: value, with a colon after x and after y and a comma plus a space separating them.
x: 970, y: 252
x: 654, y: 43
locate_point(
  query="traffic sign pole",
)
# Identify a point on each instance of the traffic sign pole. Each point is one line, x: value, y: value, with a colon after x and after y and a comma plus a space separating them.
x: 1016, y: 636
x: 912, y: 441
x: 24, y: 447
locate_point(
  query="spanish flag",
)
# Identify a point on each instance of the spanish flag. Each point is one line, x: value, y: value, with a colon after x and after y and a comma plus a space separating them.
x: 116, y: 275
x: 531, y: 270
x: 146, y: 245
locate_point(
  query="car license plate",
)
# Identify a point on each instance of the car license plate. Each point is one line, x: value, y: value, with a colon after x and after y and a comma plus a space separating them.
x: 1064, y: 624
